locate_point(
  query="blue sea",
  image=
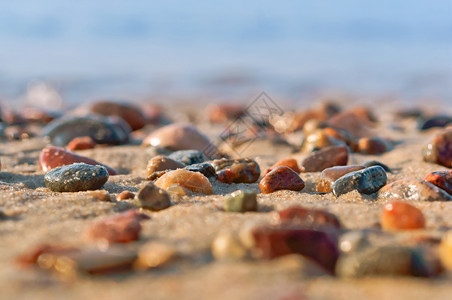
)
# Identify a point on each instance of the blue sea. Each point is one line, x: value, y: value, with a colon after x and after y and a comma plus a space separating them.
x: 295, y: 49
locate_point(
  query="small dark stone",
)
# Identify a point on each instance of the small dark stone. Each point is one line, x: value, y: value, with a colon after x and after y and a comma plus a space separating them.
x: 325, y: 158
x: 76, y: 177
x: 366, y: 181
x: 204, y: 168
x: 102, y: 130
x: 152, y: 197
x: 188, y: 157
x: 372, y: 163
x: 437, y: 121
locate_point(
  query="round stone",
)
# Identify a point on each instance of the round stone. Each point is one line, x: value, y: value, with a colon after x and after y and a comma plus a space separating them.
x: 193, y: 181
x: 439, y: 151
x: 330, y: 175
x: 325, y: 158
x: 125, y: 195
x: 131, y: 114
x: 399, y: 215
x: 161, y: 163
x: 152, y: 197
x: 242, y: 170
x: 366, y: 181
x: 281, y: 178
x: 442, y: 179
x: 288, y: 162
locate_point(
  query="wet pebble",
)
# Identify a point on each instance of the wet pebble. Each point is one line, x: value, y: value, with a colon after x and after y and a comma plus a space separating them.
x: 439, y: 151
x: 242, y: 170
x: 288, y: 162
x: 152, y: 197
x: 413, y: 190
x: 241, y: 201
x: 372, y: 163
x: 121, y: 228
x: 52, y: 157
x: 325, y: 158
x: 204, y: 168
x: 81, y: 143
x: 125, y: 195
x: 188, y: 157
x: 330, y: 175
x: 76, y: 177
x: 102, y: 130
x: 161, y: 163
x: 131, y: 114
x: 442, y: 179
x: 366, y: 181
x: 193, y: 181
x: 399, y: 215
x: 281, y: 178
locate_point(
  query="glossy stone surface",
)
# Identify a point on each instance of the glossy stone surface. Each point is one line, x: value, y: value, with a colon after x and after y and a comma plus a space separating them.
x: 81, y: 143
x: 373, y: 163
x: 373, y: 145
x: 399, y: 215
x: 325, y: 158
x: 204, y: 168
x: 241, y: 201
x: 442, y: 179
x: 413, y: 190
x: 281, y: 178
x: 288, y: 162
x: 152, y: 197
x: 439, y: 151
x: 125, y: 195
x: 76, y: 177
x: 366, y: 181
x: 193, y: 181
x: 242, y: 170
x: 161, y: 163
x: 330, y: 175
x: 188, y: 157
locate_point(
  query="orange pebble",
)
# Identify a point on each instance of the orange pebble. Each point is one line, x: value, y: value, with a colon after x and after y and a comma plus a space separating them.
x: 193, y: 181
x: 399, y: 215
x: 288, y: 162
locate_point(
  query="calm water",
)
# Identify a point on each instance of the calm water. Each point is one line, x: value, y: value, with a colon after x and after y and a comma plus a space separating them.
x: 291, y: 48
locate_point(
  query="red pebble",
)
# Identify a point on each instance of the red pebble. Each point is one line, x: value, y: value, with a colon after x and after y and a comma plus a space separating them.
x: 121, y: 228
x: 281, y: 178
x: 442, y: 179
x: 399, y: 215
x: 226, y: 176
x: 306, y: 216
x: 81, y: 143
x: 52, y: 157
x: 288, y: 162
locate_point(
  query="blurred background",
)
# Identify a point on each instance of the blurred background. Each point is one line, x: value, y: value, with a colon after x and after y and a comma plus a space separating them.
x: 87, y: 49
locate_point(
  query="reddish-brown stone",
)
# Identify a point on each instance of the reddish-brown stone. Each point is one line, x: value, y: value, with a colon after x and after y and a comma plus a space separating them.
x: 374, y: 145
x: 325, y: 158
x: 242, y: 170
x: 220, y: 113
x: 272, y: 242
x: 281, y: 178
x: 308, y: 217
x: 52, y: 157
x: 81, y: 143
x: 330, y: 175
x: 132, y: 115
x: 226, y: 176
x: 121, y: 228
x: 439, y: 151
x: 357, y: 121
x: 398, y: 215
x: 124, y: 195
x: 442, y: 179
x: 288, y: 162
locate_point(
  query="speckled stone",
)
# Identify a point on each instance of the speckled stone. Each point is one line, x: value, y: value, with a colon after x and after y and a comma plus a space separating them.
x: 330, y: 175
x: 188, y: 157
x: 281, y: 178
x: 439, y: 151
x: 152, y: 197
x: 413, y: 190
x: 325, y: 158
x: 76, y: 177
x: 366, y: 181
x: 204, y: 168
x: 242, y: 170
x: 102, y: 130
x: 241, y: 201
x: 442, y: 179
x: 373, y: 163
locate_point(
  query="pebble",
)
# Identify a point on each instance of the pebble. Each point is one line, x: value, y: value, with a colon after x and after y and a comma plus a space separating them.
x: 373, y: 145
x: 226, y: 246
x: 366, y: 181
x: 32, y: 256
x: 152, y: 197
x: 358, y: 121
x: 319, y: 139
x: 101, y: 129
x: 188, y: 157
x: 52, y: 157
x: 398, y: 215
x: 161, y: 163
x: 272, y: 242
x: 241, y: 201
x: 330, y: 175
x: 193, y: 181
x: 445, y: 250
x: 281, y: 178
x: 204, y: 168
x: 99, y: 195
x: 439, y: 151
x: 309, y: 218
x: 413, y: 190
x: 179, y: 137
x: 39, y: 115
x: 81, y: 143
x: 372, y: 163
x: 75, y: 178
x: 325, y: 158
x: 125, y: 195
x: 220, y: 113
x: 131, y: 114
x: 288, y: 162
x: 242, y: 170
x: 154, y: 255
x: 121, y: 228
x: 442, y: 179
x: 436, y: 121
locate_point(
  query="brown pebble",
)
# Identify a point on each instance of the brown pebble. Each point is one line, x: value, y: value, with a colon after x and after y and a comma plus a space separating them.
x: 161, y: 163
x: 413, y: 190
x: 325, y: 158
x: 220, y: 113
x: 125, y: 195
x: 439, y: 151
x: 281, y: 178
x: 330, y: 175
x: 374, y: 145
x: 358, y: 121
x: 288, y: 162
x: 242, y: 170
x: 99, y: 195
x: 398, y: 215
x: 152, y: 197
x: 132, y: 115
x: 81, y: 143
x: 319, y: 139
x: 308, y: 217
x: 193, y: 181
x: 442, y: 179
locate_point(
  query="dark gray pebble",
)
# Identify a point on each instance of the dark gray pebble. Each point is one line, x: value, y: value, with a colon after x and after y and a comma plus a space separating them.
x: 188, y: 157
x: 372, y: 163
x: 366, y: 181
x: 76, y: 177
x: 152, y: 197
x: 204, y: 168
x: 437, y: 121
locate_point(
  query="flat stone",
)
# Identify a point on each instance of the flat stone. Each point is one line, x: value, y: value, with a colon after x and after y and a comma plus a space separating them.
x: 413, y: 190
x: 161, y: 163
x: 436, y: 121
x: 241, y: 201
x: 325, y: 158
x: 309, y: 218
x: 52, y: 157
x: 242, y: 170
x: 330, y: 175
x: 399, y: 215
x: 439, y: 151
x: 288, y: 162
x: 152, y: 197
x: 193, y: 181
x: 281, y: 178
x: 76, y: 177
x: 188, y: 157
x: 366, y: 181
x: 131, y: 114
x: 102, y: 130
x: 442, y: 179
x: 81, y: 143
x: 204, y: 168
